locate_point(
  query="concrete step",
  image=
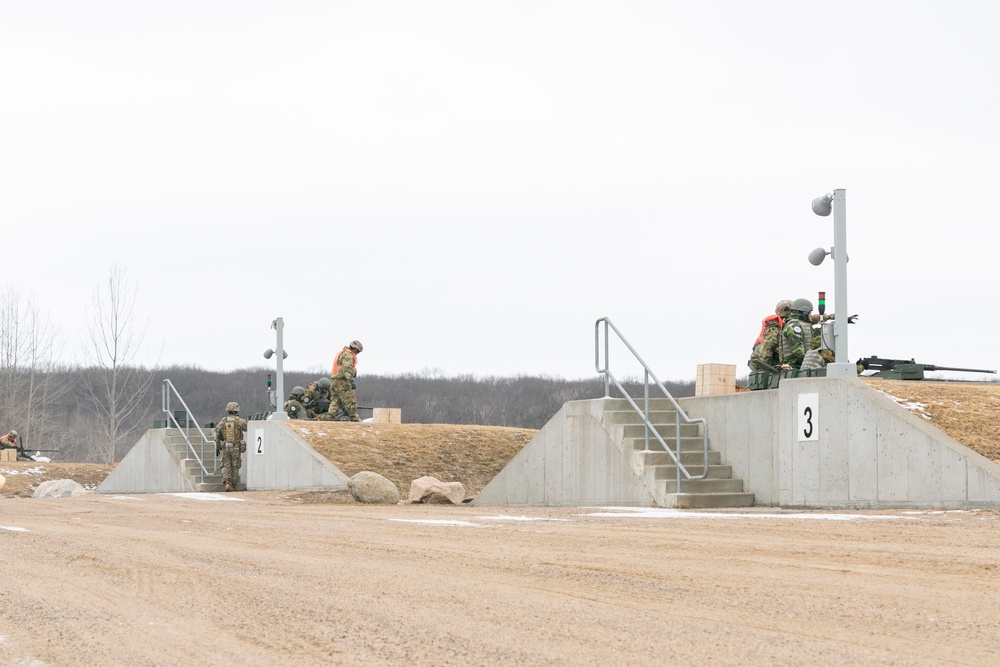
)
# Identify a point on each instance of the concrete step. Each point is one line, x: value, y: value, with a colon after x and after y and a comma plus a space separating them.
x: 669, y: 471
x: 708, y: 500
x: 666, y: 431
x: 703, y: 486
x: 688, y: 458
x: 630, y: 416
x: 216, y: 487
x: 695, y: 444
x: 655, y: 404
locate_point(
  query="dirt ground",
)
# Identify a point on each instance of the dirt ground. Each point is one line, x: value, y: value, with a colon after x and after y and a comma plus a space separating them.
x: 253, y: 579
x: 264, y: 578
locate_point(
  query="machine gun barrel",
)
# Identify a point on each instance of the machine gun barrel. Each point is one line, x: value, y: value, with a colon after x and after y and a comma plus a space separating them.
x: 931, y: 367
x: 909, y: 368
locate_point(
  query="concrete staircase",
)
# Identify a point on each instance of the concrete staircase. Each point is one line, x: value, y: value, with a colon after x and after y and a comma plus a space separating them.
x: 190, y: 468
x: 657, y: 468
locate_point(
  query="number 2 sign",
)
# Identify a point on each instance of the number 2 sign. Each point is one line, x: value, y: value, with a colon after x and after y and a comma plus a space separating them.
x: 808, y: 428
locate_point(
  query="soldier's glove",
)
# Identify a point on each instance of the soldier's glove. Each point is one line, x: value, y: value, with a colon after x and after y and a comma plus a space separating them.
x: 784, y: 367
x: 353, y: 385
x: 243, y: 447
x: 815, y: 318
x: 852, y: 319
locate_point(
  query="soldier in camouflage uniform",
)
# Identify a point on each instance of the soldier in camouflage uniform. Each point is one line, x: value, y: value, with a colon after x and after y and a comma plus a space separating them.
x: 766, y: 347
x: 293, y: 406
x: 316, y: 398
x: 796, y: 334
x: 9, y: 440
x: 343, y: 373
x: 230, y: 442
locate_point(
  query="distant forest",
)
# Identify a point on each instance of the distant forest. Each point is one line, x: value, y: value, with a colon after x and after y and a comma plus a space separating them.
x: 68, y: 409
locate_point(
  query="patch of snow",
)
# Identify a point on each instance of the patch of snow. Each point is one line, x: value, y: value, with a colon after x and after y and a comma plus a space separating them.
x: 29, y: 471
x: 504, y: 517
x: 664, y: 513
x: 205, y: 496
x: 14, y: 529
x: 438, y: 522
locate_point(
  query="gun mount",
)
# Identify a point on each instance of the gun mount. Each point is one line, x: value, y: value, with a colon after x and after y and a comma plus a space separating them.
x: 906, y: 369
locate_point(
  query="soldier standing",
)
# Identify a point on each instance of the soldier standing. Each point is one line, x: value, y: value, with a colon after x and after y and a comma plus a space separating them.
x: 230, y: 442
x: 343, y: 373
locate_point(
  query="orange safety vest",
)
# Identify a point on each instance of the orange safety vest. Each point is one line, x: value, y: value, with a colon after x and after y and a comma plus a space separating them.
x: 336, y: 361
x: 763, y: 327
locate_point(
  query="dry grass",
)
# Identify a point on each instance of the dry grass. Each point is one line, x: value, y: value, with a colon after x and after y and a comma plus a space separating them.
x: 968, y: 412
x: 472, y: 455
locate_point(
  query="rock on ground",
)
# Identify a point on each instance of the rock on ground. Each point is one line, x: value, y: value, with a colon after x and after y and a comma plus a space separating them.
x: 370, y: 487
x: 57, y: 488
x: 431, y: 490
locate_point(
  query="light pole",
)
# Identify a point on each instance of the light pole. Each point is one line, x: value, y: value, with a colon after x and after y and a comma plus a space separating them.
x: 279, y: 407
x: 837, y: 202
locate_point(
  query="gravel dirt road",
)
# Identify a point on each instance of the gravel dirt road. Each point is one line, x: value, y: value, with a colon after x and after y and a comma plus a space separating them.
x: 266, y: 579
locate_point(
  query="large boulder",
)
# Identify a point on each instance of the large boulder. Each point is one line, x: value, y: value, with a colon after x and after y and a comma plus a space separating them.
x: 58, y: 488
x: 431, y: 490
x: 3, y: 480
x: 371, y: 487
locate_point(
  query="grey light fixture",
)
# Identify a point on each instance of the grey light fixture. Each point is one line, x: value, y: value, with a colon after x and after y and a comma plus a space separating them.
x: 836, y: 202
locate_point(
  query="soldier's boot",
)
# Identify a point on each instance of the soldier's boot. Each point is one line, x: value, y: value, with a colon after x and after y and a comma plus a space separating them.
x: 229, y: 486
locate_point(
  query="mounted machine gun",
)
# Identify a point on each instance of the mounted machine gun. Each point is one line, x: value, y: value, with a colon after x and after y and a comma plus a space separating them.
x: 905, y: 369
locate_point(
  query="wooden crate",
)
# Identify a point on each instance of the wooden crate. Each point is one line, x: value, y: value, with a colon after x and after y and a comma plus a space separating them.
x: 387, y: 415
x: 8, y: 455
x: 715, y: 379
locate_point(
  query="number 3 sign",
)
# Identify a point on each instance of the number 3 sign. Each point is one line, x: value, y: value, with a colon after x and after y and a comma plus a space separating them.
x: 808, y: 417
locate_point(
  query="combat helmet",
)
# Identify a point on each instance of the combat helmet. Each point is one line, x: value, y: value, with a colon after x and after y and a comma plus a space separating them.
x: 13, y: 433
x: 781, y: 310
x: 356, y: 345
x: 324, y: 382
x: 233, y: 406
x: 298, y: 391
x: 803, y: 306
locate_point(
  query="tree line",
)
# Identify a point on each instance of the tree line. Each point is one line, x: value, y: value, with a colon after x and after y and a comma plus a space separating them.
x: 95, y: 410
x: 65, y: 417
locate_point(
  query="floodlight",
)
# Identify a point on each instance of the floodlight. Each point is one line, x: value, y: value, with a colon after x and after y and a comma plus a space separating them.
x: 817, y: 256
x: 823, y: 205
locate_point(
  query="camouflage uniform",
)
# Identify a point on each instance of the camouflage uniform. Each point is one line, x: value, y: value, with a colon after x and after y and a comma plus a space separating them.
x: 316, y: 400
x: 8, y: 441
x: 295, y: 410
x: 344, y: 372
x: 796, y: 338
x: 767, y: 349
x: 767, y: 346
x: 230, y: 443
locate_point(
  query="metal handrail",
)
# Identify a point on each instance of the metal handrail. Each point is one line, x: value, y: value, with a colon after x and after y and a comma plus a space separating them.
x: 644, y: 411
x: 167, y: 390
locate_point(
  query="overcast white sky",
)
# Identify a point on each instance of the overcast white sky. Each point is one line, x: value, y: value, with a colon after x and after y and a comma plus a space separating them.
x: 468, y: 186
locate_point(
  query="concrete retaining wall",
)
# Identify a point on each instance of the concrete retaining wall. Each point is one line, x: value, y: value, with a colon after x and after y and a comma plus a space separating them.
x: 571, y: 461
x: 864, y: 450
x: 276, y: 459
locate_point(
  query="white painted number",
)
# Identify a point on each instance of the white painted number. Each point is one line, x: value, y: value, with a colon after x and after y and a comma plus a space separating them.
x: 808, y: 417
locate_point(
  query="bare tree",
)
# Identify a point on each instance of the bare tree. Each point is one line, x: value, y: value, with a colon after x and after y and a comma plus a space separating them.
x: 118, y: 389
x: 27, y: 342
